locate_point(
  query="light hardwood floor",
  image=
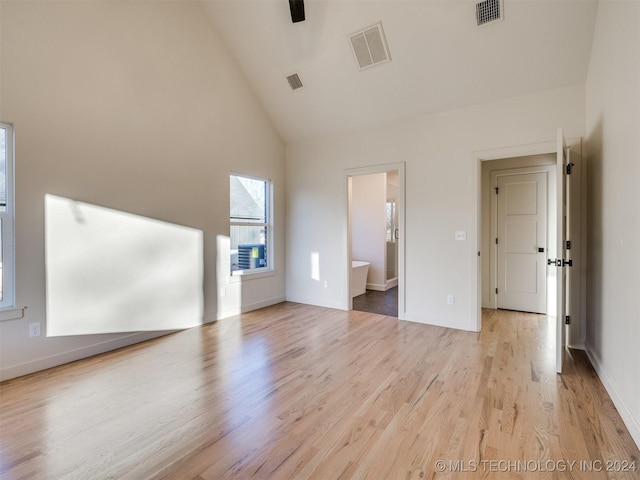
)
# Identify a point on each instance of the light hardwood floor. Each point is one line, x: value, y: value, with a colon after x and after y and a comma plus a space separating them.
x: 296, y: 392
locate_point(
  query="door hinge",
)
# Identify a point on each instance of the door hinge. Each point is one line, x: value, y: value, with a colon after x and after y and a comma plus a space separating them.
x: 496, y: 241
x: 497, y: 190
x: 567, y: 320
x: 570, y: 168
x: 496, y: 291
x: 560, y: 262
x: 568, y: 246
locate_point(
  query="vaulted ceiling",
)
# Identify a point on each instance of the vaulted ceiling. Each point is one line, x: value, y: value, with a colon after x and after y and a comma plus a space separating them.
x: 441, y: 59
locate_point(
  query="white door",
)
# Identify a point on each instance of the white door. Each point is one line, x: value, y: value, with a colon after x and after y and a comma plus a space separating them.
x: 522, y: 242
x: 562, y: 262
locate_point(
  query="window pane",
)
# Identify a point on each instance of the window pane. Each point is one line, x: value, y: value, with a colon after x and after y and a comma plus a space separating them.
x: 248, y: 247
x: 248, y: 199
x: 3, y: 169
x: 391, y: 221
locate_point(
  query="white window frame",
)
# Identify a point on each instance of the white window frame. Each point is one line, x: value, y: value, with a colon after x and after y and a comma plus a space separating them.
x: 268, y: 269
x: 7, y: 220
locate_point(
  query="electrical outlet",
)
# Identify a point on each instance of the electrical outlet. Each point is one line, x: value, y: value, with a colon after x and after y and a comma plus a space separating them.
x: 34, y: 329
x: 450, y: 299
x: 223, y: 292
x: 326, y: 284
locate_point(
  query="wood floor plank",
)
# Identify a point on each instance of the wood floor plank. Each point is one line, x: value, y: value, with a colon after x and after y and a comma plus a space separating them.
x: 301, y: 392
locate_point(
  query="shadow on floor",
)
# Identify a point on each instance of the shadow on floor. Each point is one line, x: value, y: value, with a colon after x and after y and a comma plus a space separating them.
x: 383, y: 303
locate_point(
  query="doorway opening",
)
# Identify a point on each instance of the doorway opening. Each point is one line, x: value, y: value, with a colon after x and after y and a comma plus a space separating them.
x: 518, y: 227
x: 375, y: 239
x: 565, y: 286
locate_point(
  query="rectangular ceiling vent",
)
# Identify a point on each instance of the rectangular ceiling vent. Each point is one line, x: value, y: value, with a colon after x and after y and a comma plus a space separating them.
x: 489, y: 11
x: 294, y: 81
x: 370, y: 46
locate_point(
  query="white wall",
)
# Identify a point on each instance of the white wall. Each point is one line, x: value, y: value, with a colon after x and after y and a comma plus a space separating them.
x: 613, y: 170
x: 138, y: 107
x: 368, y: 199
x: 442, y: 188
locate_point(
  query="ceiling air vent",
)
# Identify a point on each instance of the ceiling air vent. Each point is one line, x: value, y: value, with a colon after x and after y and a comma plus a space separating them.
x: 294, y: 81
x: 370, y: 47
x: 489, y: 11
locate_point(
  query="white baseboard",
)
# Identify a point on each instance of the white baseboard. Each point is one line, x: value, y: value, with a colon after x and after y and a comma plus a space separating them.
x: 418, y: 317
x: 77, y: 354
x: 632, y: 423
x: 109, y: 345
x: 314, y: 302
x: 245, y: 308
x: 579, y: 345
x: 383, y: 288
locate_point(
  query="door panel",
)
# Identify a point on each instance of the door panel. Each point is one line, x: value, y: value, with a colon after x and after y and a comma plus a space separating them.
x: 521, y: 237
x: 522, y: 232
x: 521, y: 198
x: 522, y: 274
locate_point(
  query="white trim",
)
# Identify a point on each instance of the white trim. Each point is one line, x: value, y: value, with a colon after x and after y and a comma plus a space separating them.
x: 477, y: 157
x: 400, y: 215
x: 632, y: 423
x: 581, y: 345
x: 516, y: 151
x: 378, y: 287
x: 230, y: 312
x: 77, y: 354
x: 243, y: 275
x: 8, y: 220
x: 11, y: 313
x: 268, y: 270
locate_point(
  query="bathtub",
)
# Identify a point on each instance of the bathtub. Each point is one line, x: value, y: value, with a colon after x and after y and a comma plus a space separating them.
x: 359, y: 271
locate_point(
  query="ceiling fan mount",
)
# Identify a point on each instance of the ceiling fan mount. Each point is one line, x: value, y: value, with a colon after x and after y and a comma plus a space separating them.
x: 297, y: 10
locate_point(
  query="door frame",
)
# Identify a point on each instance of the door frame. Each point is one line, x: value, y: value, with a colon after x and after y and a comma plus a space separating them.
x: 477, y: 158
x: 550, y: 170
x: 400, y: 215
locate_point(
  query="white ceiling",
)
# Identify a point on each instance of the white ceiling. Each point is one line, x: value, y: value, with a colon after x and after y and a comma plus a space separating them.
x: 440, y: 59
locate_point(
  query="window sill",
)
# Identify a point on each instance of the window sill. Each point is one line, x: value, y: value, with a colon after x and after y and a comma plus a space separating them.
x: 249, y: 275
x: 11, y: 313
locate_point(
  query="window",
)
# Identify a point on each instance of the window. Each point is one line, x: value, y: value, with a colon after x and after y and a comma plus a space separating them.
x: 6, y: 216
x: 392, y: 224
x: 250, y: 224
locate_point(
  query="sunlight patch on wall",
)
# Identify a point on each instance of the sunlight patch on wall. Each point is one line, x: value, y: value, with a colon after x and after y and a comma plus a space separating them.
x: 109, y: 271
x: 315, y: 266
x: 229, y: 298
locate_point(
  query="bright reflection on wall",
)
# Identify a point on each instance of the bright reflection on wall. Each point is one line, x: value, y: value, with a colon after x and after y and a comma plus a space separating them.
x: 109, y: 271
x: 552, y: 292
x: 229, y: 288
x: 315, y: 266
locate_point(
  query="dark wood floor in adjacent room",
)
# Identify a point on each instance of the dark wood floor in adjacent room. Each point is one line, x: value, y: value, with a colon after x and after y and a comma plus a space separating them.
x: 382, y: 303
x: 296, y: 392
